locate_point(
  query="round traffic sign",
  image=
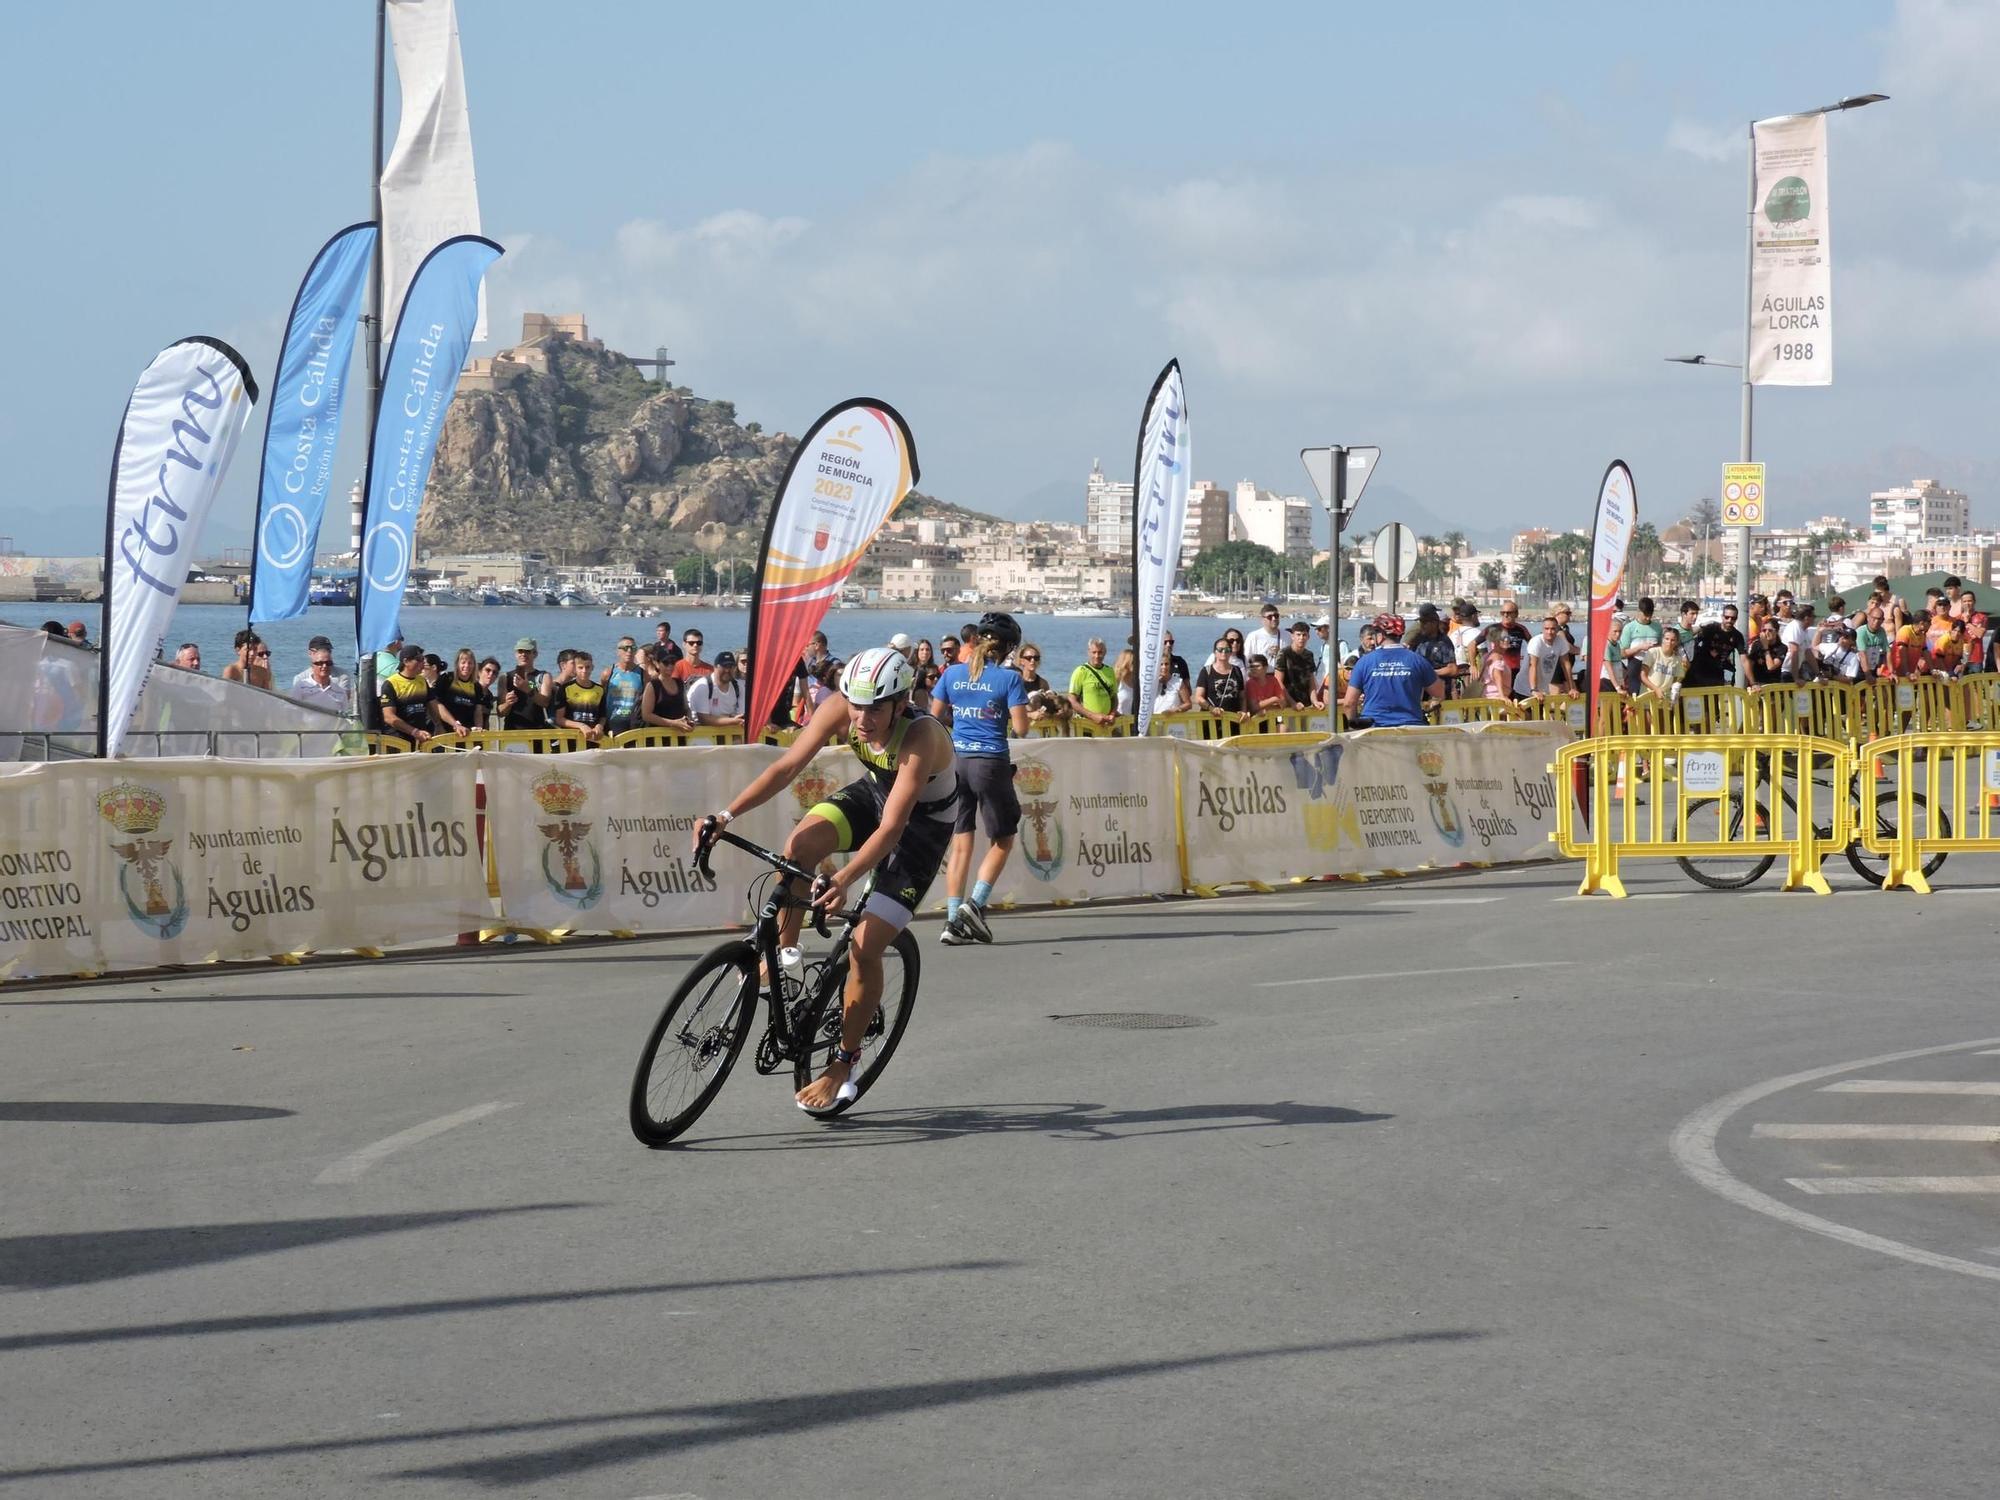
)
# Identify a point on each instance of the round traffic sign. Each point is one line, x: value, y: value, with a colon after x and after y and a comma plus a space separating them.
x: 1753, y: 491
x: 1732, y: 491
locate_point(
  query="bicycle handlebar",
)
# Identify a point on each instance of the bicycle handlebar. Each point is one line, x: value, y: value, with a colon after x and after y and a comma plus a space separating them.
x: 713, y: 833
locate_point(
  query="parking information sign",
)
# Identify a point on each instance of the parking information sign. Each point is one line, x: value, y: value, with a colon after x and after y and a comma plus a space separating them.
x: 1742, y: 494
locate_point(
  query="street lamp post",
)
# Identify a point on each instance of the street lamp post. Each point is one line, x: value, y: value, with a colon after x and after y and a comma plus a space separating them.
x: 1745, y: 429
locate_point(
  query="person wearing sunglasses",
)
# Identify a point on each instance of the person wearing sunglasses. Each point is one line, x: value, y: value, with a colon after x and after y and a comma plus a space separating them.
x: 1046, y: 703
x: 319, y: 685
x: 253, y: 661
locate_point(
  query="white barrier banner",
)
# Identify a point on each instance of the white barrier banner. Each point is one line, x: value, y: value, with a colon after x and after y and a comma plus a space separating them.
x: 1097, y: 822
x: 1386, y: 800
x: 130, y: 866
x: 601, y: 841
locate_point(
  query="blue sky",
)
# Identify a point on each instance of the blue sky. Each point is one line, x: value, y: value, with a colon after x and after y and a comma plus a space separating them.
x: 1466, y: 234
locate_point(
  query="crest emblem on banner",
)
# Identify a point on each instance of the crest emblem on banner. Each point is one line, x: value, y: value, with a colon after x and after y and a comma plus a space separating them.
x: 1043, y: 852
x: 821, y: 536
x: 570, y: 865
x: 1444, y: 811
x: 813, y: 786
x: 136, y: 813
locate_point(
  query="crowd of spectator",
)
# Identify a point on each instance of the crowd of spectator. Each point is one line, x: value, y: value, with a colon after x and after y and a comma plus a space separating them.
x: 1443, y: 653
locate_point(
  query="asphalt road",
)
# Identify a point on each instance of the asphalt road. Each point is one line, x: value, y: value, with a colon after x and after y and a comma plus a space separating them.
x: 1469, y: 1189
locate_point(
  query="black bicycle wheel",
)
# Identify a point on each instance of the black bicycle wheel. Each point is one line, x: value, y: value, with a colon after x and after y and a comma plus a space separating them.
x: 1874, y: 868
x: 694, y: 1043
x: 900, y: 967
x: 1731, y: 872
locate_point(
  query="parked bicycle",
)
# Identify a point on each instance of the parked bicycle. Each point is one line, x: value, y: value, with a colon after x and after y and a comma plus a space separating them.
x: 1735, y: 872
x: 696, y: 1041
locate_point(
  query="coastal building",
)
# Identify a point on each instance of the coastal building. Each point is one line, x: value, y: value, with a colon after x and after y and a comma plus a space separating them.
x: 1207, y: 520
x: 1283, y: 523
x: 1918, y: 511
x: 925, y: 580
x: 1107, y: 514
x: 1970, y: 557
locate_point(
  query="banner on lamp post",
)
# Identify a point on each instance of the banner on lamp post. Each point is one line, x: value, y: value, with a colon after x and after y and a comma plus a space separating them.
x: 302, y: 432
x: 174, y: 445
x: 846, y: 478
x: 1159, y: 514
x: 1791, y: 257
x: 418, y: 379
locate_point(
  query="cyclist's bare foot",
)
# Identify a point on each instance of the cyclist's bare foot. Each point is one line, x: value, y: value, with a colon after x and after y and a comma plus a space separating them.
x: 825, y: 1089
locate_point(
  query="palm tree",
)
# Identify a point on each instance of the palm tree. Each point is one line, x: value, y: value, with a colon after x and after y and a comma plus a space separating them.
x: 1645, y: 555
x: 1492, y: 575
x: 1455, y: 543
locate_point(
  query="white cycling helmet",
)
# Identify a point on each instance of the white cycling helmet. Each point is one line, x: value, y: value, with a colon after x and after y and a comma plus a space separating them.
x: 875, y: 674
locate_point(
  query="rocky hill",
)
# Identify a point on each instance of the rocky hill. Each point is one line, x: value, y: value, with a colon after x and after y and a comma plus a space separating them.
x: 593, y: 462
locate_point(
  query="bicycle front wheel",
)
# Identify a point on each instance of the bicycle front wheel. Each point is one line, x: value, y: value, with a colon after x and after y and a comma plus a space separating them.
x: 694, y: 1043
x: 1875, y: 869
x: 900, y: 966
x: 1731, y: 872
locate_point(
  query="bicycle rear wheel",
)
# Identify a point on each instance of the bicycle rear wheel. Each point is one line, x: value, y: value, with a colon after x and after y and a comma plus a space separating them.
x: 1875, y: 869
x: 1731, y: 872
x: 694, y: 1043
x: 900, y: 967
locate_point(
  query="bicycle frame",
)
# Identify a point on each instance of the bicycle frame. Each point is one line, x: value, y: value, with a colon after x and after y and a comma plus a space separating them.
x: 765, y: 935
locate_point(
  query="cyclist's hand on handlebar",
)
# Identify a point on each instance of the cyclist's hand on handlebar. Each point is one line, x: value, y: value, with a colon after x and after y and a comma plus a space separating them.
x: 829, y: 891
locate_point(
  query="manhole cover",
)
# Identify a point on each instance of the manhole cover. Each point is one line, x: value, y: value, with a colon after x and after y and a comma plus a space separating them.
x: 1131, y: 1020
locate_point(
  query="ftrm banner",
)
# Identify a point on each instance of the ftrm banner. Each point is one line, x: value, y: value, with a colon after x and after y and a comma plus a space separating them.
x: 302, y: 430
x: 418, y: 378
x: 846, y: 477
x: 1159, y: 512
x: 174, y: 445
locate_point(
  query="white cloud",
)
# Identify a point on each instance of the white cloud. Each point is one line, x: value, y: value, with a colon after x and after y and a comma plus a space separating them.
x: 1708, y: 142
x: 1947, y: 52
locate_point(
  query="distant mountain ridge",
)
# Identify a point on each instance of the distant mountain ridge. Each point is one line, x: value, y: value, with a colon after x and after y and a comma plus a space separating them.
x: 569, y: 449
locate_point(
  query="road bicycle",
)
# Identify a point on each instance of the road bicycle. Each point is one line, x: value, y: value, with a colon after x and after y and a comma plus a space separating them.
x: 1735, y: 872
x: 698, y: 1036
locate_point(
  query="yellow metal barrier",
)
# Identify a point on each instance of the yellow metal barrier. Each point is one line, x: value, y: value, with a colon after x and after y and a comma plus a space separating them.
x: 653, y: 737
x: 1556, y: 708
x: 1473, y: 711
x: 1189, y: 724
x: 1920, y: 705
x: 1945, y: 792
x: 520, y: 741
x: 1825, y: 710
x: 1686, y: 796
x: 372, y: 742
x: 1977, y: 701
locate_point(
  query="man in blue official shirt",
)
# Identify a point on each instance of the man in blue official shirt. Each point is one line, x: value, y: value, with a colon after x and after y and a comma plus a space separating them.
x: 1387, y: 688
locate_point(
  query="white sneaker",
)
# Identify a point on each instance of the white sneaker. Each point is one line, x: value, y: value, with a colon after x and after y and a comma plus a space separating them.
x: 973, y: 921
x: 954, y: 933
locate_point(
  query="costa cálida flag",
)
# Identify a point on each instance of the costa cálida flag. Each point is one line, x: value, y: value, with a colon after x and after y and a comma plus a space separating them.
x: 1159, y: 512
x: 1610, y: 540
x: 303, y: 427
x: 418, y: 378
x: 845, y: 479
x: 174, y: 445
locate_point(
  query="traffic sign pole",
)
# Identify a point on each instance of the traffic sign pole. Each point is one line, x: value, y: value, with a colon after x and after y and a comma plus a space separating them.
x: 1337, y: 505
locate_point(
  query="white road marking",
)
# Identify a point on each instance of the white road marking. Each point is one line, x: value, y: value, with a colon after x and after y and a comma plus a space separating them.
x: 351, y: 1166
x: 1440, y: 901
x: 1974, y: 1133
x: 1987, y: 1052
x: 1277, y: 984
x: 1896, y: 1184
x: 1910, y: 1086
x: 1693, y: 1145
x: 1635, y: 896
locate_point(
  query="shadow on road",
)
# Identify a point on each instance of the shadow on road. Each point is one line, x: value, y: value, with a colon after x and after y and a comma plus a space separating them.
x: 41, y: 1262
x: 1077, y: 1122
x: 450, y: 1306
x: 135, y: 1112
x: 708, y: 1424
x: 166, y: 997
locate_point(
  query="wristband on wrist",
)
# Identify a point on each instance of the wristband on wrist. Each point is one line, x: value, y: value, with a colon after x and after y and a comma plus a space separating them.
x: 725, y: 816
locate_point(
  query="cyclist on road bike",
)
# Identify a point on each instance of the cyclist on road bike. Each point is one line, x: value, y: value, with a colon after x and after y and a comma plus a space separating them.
x: 895, y: 819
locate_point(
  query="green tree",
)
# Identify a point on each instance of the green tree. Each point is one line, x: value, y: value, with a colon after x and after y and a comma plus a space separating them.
x: 1245, y: 564
x: 693, y: 575
x: 1492, y: 575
